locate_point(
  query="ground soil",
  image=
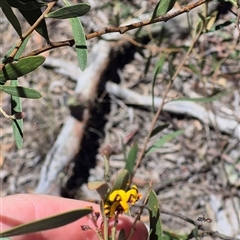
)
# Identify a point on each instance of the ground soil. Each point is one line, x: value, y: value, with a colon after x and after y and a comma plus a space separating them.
x: 187, y: 172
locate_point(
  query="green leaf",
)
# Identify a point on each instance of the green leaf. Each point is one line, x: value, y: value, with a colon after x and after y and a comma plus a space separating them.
x: 26, y: 5
x: 212, y: 98
x: 195, y: 69
x: 20, y: 68
x: 11, y: 16
x: 162, y: 7
x: 131, y: 159
x: 158, y: 144
x: 21, y: 48
x: 17, y: 124
x: 194, y: 233
x: 234, y: 2
x: 101, y: 187
x: 121, y: 181
x: 173, y: 236
x: 19, y: 51
x: 154, y: 215
x: 122, y: 235
x: 220, y: 26
x: 31, y: 17
x: 171, y: 67
x: 22, y: 92
x: 157, y: 69
x: 72, y: 11
x: 80, y: 40
x: 158, y: 129
x: 124, y: 150
x: 47, y: 223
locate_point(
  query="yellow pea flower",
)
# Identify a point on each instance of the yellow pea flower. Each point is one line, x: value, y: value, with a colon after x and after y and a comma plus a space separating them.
x: 118, y: 201
x: 133, y: 195
x: 116, y: 195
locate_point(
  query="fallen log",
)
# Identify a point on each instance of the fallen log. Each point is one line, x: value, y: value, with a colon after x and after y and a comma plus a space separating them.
x: 69, y: 140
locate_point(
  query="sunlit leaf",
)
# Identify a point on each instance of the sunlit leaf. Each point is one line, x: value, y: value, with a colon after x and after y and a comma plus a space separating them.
x: 121, y: 181
x: 72, y: 11
x: 20, y: 68
x: 19, y: 50
x: 17, y: 124
x: 11, y: 16
x: 173, y: 236
x: 124, y: 150
x: 16, y: 106
x: 80, y: 40
x: 101, y: 187
x: 212, y: 98
x: 162, y: 7
x: 158, y: 129
x: 22, y: 92
x: 212, y: 20
x: 159, y: 143
x: 157, y: 69
x: 154, y: 215
x: 47, y: 223
x: 131, y: 159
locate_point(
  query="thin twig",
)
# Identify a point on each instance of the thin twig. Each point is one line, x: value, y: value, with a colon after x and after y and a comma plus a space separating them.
x: 27, y: 33
x: 123, y: 29
x: 206, y: 230
x: 156, y: 116
x: 53, y: 45
x: 162, y: 18
x: 5, y: 114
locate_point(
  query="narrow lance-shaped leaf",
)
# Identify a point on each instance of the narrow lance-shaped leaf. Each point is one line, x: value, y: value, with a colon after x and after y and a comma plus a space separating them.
x: 157, y: 69
x: 17, y: 124
x: 171, y: 67
x: 131, y: 159
x: 173, y: 236
x: 121, y: 181
x: 158, y: 129
x: 19, y: 51
x: 124, y: 150
x: 80, y: 40
x: 21, y: 48
x: 7, y: 10
x: 22, y: 92
x: 155, y: 222
x: 20, y: 68
x: 72, y: 11
x: 122, y: 235
x: 47, y: 223
x: 159, y: 143
x: 162, y: 7
x: 212, y: 98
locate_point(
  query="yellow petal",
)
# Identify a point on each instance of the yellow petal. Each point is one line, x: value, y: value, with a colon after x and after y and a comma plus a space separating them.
x: 124, y: 206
